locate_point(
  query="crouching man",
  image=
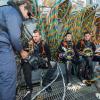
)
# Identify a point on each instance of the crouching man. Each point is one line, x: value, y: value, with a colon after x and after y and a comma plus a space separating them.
x: 85, y: 48
x: 40, y: 51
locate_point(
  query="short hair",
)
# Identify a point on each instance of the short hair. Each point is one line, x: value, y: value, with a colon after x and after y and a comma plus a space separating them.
x: 36, y: 31
x: 67, y: 33
x: 87, y: 32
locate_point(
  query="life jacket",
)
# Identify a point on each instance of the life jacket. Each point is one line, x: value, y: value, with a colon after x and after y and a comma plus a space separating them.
x: 84, y: 45
x: 42, y: 49
x: 67, y: 45
x: 32, y: 46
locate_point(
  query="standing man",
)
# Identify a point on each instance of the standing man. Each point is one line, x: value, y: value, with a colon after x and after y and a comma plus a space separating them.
x: 11, y: 17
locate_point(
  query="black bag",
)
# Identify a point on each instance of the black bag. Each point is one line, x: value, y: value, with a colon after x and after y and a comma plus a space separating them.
x: 33, y: 61
x: 38, y: 62
x: 42, y: 63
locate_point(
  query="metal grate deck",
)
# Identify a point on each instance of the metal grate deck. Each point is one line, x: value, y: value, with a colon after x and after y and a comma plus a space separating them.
x: 84, y: 93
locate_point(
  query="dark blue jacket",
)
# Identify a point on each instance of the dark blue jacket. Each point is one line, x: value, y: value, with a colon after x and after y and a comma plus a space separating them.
x: 12, y: 20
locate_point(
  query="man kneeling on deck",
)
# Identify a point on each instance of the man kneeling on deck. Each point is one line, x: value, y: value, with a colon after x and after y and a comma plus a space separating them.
x: 39, y: 58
